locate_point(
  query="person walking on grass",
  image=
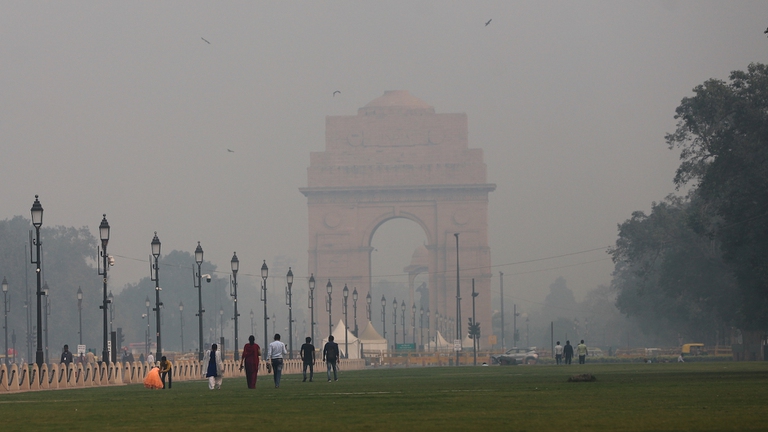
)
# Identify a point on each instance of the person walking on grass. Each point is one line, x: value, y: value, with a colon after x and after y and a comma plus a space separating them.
x: 558, y: 353
x: 215, y: 371
x: 307, y: 354
x: 581, y: 348
x: 275, y: 354
x: 250, y: 358
x: 568, y: 352
x: 331, y: 357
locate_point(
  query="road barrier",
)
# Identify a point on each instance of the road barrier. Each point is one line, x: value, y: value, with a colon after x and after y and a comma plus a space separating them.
x: 60, y: 376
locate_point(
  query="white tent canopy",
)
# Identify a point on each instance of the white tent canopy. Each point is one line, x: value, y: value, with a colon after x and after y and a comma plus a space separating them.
x: 351, y: 341
x: 442, y: 344
x: 372, y: 340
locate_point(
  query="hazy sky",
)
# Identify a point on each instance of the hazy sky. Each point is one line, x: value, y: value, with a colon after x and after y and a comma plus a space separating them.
x: 122, y: 108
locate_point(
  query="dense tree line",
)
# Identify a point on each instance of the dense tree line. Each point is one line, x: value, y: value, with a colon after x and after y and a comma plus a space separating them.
x: 696, y: 266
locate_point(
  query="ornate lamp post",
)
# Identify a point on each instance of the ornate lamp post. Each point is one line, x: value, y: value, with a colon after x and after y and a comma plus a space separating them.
x: 147, y: 303
x: 252, y: 331
x: 402, y: 319
x: 329, y: 306
x: 368, y: 305
x: 197, y: 279
x: 156, y: 272
x: 104, y: 236
x: 354, y: 308
x: 384, y: 316
x: 289, y: 301
x: 458, y: 298
x: 221, y: 324
x: 429, y: 336
x: 264, y: 274
x: 7, y: 309
x: 80, y: 312
x: 413, y: 322
x: 312, y: 306
x: 37, y: 222
x: 181, y: 324
x: 235, y: 263
x: 421, y: 328
x: 394, y: 320
x: 345, y: 296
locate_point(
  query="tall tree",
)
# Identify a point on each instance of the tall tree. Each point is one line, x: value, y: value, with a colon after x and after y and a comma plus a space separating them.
x: 722, y: 133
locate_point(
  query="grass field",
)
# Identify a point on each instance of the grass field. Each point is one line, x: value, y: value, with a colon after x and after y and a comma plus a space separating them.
x: 625, y: 397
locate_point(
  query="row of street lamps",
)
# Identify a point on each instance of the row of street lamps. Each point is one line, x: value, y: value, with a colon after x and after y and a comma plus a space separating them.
x: 104, y: 233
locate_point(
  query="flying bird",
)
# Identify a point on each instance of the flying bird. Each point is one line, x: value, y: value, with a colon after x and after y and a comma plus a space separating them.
x: 231, y: 151
x: 337, y: 91
x: 488, y: 22
x: 766, y: 31
x: 210, y: 43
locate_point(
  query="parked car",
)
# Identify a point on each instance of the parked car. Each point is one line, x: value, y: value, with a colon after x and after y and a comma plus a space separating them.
x: 516, y: 356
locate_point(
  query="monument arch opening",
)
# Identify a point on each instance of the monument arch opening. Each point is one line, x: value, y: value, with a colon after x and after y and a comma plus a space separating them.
x: 397, y: 158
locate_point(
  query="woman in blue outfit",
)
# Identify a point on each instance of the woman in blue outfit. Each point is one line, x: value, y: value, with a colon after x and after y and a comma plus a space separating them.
x: 215, y: 371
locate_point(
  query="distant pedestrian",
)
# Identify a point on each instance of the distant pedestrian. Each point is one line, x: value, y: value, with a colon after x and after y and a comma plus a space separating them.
x: 151, y: 359
x: 141, y: 357
x: 66, y: 356
x: 568, y: 352
x: 250, y: 358
x: 215, y: 370
x: 680, y: 358
x: 275, y: 355
x: 581, y: 348
x: 331, y: 357
x: 558, y: 353
x: 308, y: 358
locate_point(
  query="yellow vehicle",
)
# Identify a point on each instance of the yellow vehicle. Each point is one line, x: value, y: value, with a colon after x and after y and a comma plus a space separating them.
x: 694, y: 349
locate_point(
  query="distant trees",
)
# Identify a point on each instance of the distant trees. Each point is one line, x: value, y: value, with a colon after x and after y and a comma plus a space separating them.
x: 697, y: 264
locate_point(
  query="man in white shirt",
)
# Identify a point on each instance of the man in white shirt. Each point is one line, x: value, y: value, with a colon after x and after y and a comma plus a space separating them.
x: 151, y: 359
x: 558, y: 353
x: 275, y: 355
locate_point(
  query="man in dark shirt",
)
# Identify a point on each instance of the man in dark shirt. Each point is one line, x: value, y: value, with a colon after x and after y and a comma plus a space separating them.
x: 307, y: 354
x: 568, y: 352
x: 331, y: 357
x: 66, y: 356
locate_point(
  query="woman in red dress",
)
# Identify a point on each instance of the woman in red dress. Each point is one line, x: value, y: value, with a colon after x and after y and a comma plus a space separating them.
x: 250, y: 357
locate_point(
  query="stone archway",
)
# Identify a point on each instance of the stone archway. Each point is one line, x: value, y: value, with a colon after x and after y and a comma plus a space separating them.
x: 397, y: 158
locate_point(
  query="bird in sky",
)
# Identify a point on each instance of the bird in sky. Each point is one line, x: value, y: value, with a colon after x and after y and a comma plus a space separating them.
x: 210, y: 43
x: 231, y: 151
x: 766, y: 31
x: 488, y: 22
x: 337, y: 91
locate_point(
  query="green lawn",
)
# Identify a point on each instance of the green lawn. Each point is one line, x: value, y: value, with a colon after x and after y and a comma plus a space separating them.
x: 701, y: 396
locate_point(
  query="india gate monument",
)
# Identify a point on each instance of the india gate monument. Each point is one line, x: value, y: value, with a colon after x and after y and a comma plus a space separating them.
x: 397, y: 158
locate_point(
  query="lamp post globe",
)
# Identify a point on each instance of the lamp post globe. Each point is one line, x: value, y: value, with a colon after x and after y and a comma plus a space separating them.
x: 37, y: 222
